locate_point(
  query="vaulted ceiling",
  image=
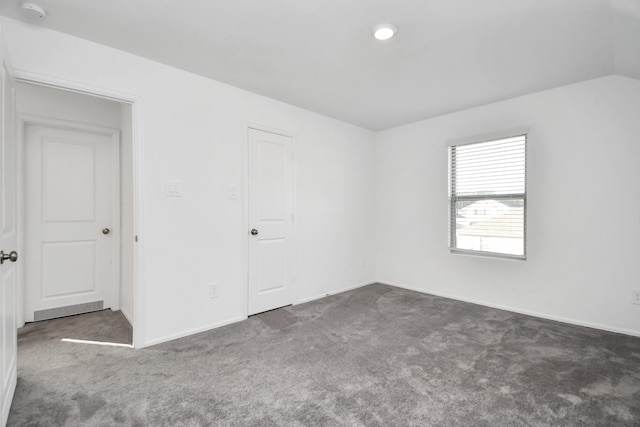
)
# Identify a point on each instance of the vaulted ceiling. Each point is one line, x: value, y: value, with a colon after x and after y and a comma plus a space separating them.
x: 448, y: 55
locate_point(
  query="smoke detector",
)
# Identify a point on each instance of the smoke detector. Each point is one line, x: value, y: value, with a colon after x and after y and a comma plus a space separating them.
x: 33, y: 11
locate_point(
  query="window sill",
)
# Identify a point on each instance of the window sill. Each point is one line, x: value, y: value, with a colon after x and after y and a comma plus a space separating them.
x: 487, y: 254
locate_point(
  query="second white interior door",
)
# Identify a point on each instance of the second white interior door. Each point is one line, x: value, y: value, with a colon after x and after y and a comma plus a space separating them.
x: 271, y: 231
x: 71, y: 229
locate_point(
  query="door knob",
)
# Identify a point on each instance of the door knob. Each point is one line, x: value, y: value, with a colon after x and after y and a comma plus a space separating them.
x: 106, y: 231
x: 254, y: 232
x: 11, y: 256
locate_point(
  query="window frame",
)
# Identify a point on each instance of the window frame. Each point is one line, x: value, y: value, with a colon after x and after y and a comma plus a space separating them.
x: 453, y: 198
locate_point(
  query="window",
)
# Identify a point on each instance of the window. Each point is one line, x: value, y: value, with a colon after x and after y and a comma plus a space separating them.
x: 487, y: 195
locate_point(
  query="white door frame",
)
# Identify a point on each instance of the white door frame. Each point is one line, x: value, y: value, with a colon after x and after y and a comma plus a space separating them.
x: 245, y: 209
x: 25, y: 120
x: 22, y: 76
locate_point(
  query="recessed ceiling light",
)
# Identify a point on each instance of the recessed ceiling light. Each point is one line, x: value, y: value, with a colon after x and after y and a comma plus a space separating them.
x: 33, y: 11
x: 384, y: 31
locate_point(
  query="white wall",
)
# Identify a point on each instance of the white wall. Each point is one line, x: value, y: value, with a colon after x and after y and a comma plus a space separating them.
x: 193, y: 129
x: 583, y: 207
x: 625, y: 20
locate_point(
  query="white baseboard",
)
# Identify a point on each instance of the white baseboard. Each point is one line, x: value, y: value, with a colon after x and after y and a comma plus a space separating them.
x: 192, y: 331
x: 339, y: 291
x: 547, y: 316
x: 127, y: 316
x: 239, y: 319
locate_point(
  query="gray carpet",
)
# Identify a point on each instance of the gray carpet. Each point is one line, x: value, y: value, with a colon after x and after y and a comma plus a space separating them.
x: 104, y: 326
x: 375, y: 356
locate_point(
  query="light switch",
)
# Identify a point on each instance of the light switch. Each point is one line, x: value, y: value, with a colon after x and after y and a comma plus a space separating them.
x: 173, y: 188
x: 233, y: 191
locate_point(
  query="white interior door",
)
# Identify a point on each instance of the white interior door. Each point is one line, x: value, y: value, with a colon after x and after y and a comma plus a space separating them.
x: 271, y: 216
x: 71, y: 225
x: 8, y: 240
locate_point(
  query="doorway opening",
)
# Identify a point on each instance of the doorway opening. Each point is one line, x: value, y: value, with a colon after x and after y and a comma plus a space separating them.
x: 77, y: 202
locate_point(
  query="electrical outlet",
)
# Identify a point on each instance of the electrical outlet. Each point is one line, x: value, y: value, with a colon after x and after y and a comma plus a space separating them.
x: 635, y: 296
x: 363, y: 263
x: 213, y: 290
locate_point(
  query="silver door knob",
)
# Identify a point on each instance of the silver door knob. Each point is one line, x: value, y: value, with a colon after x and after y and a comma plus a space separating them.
x: 11, y: 256
x: 254, y: 232
x: 106, y: 231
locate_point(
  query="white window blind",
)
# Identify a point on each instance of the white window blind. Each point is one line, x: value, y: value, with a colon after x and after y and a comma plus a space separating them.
x: 487, y: 197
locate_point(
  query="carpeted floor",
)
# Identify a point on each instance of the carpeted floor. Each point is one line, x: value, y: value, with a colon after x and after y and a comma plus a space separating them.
x: 375, y: 356
x: 103, y: 326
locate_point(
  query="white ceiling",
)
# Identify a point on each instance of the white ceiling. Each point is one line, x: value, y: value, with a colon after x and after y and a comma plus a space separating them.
x: 448, y: 55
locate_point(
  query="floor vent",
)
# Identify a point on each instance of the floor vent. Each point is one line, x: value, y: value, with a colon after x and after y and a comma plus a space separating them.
x: 69, y: 310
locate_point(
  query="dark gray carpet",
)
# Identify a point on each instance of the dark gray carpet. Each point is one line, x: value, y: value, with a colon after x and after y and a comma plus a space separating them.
x: 376, y: 356
x: 104, y: 326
